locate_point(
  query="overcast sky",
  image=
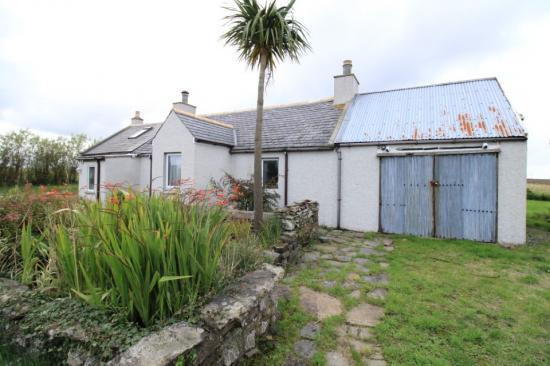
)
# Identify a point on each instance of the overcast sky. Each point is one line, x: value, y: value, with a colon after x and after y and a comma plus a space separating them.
x: 85, y: 66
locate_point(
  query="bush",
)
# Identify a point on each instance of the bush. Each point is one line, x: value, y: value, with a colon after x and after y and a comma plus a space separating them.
x: 538, y: 196
x: 241, y: 193
x: 148, y: 257
x: 25, y: 208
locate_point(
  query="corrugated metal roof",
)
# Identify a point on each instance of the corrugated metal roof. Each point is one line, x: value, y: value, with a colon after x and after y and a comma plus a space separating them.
x: 461, y: 110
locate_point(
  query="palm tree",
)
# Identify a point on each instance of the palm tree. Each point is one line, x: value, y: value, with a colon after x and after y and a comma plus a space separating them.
x: 263, y: 36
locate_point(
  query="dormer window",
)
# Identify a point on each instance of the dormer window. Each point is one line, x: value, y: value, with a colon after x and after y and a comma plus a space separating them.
x: 140, y: 132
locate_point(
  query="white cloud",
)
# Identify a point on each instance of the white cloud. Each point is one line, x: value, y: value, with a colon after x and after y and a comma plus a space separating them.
x: 70, y: 66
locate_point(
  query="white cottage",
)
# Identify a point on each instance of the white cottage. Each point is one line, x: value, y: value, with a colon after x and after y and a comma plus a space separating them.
x: 446, y: 160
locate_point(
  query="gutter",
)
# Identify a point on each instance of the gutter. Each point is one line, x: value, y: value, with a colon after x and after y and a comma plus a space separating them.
x: 282, y: 150
x: 437, y: 141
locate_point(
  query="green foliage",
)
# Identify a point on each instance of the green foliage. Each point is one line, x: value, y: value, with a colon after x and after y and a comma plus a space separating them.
x: 538, y: 215
x: 29, y: 158
x: 242, y: 193
x: 538, y: 196
x: 99, y: 332
x: 27, y: 208
x: 150, y: 258
x: 271, y: 231
x: 267, y: 30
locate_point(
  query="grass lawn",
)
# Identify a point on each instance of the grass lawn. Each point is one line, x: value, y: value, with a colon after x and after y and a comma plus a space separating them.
x: 455, y: 302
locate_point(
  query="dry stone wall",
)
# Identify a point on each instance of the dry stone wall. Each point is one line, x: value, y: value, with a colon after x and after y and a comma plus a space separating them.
x: 300, y: 225
x: 228, y: 328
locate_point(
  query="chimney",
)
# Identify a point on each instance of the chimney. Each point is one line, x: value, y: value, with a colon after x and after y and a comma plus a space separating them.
x: 345, y: 85
x: 184, y: 105
x: 137, y: 120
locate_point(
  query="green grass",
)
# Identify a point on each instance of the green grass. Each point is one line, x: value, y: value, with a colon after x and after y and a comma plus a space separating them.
x: 8, y: 357
x: 73, y: 188
x: 455, y: 302
x: 538, y: 214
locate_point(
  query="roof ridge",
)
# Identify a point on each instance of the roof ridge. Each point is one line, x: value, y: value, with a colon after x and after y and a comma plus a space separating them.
x: 201, y: 118
x: 324, y: 100
x: 431, y: 85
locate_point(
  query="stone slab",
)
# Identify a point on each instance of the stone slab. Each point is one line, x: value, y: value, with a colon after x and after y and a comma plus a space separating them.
x: 365, y: 315
x: 319, y: 304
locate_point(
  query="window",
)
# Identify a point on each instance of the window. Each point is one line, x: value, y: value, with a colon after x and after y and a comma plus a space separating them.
x: 91, y: 178
x: 270, y: 173
x: 140, y: 132
x: 172, y: 171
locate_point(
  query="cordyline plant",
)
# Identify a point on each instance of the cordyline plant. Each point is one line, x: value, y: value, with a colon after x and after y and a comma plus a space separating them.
x: 148, y: 257
x: 263, y: 36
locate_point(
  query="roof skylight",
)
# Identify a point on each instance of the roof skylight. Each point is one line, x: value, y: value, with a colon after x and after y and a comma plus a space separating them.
x: 140, y: 132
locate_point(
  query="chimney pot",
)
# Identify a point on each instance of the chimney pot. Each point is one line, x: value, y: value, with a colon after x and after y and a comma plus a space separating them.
x: 345, y: 85
x: 137, y: 120
x: 347, y: 67
x: 185, y: 96
x: 184, y: 105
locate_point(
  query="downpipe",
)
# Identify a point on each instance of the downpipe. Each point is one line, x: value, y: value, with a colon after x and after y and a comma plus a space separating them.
x: 339, y: 188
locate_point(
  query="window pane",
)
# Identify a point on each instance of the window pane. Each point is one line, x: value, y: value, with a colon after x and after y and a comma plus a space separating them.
x: 173, y: 170
x: 91, y: 177
x: 271, y: 173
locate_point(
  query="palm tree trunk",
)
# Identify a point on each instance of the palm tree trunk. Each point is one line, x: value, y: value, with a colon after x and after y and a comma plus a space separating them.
x: 258, y: 191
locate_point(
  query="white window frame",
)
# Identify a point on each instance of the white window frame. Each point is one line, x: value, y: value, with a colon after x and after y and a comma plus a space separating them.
x: 166, y: 159
x: 93, y: 178
x: 278, y: 175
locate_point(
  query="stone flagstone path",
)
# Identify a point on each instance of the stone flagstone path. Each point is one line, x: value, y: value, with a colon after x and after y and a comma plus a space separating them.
x: 356, y: 267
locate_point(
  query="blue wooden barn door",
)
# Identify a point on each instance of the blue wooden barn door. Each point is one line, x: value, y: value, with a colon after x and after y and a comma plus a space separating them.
x: 406, y: 200
x: 448, y: 196
x: 466, y: 196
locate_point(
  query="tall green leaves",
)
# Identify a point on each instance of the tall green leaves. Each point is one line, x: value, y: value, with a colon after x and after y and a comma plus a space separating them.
x: 271, y: 30
x: 149, y: 257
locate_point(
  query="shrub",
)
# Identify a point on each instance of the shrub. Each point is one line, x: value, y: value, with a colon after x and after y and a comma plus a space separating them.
x: 538, y: 196
x: 241, y: 193
x: 25, y: 208
x: 148, y: 257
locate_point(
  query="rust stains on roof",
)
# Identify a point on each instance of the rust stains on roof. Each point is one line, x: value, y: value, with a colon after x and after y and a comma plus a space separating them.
x: 461, y: 110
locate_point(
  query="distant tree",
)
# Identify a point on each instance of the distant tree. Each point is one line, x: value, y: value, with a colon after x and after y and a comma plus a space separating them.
x: 29, y: 158
x: 263, y: 36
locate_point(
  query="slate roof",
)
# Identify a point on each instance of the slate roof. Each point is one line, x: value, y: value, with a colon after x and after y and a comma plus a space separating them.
x: 460, y: 110
x: 292, y: 126
x: 120, y: 143
x: 208, y: 130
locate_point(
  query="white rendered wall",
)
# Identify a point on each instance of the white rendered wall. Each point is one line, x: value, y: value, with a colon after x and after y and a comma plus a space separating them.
x: 122, y: 171
x: 145, y: 164
x: 173, y: 137
x: 211, y: 162
x: 313, y: 175
x: 360, y: 187
x: 512, y: 186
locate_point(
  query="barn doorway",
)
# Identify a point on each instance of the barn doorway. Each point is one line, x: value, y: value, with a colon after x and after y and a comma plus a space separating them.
x: 447, y: 196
